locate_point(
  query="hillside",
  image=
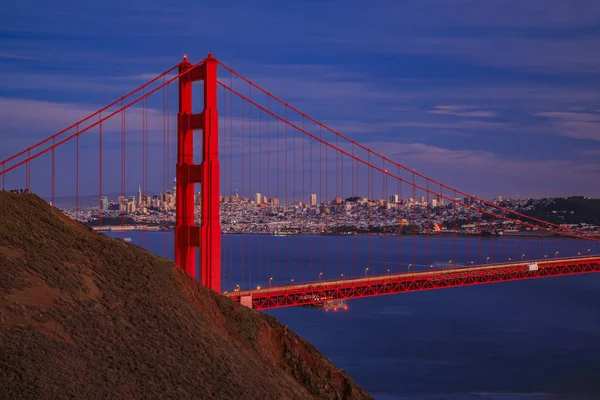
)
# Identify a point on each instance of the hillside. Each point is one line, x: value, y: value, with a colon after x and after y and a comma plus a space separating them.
x: 86, y: 316
x: 567, y: 210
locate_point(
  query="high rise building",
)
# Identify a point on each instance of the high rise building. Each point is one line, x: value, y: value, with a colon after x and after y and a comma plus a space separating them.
x: 258, y: 198
x: 139, y: 199
x: 422, y: 200
x: 104, y: 203
x: 313, y: 199
x: 131, y: 207
x: 434, y: 202
x: 394, y: 198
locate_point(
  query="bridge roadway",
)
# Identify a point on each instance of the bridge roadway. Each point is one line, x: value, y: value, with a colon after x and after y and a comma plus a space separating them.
x: 377, y: 285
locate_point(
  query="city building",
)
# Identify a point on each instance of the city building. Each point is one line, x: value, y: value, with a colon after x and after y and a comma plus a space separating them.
x: 313, y: 199
x: 104, y: 203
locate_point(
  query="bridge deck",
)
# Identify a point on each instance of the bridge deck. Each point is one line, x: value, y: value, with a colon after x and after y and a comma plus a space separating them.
x: 377, y: 285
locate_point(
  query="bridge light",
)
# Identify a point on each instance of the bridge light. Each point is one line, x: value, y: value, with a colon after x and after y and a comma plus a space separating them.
x: 320, y: 274
x: 270, y: 279
x: 409, y: 265
x: 258, y: 287
x: 342, y: 276
x: 555, y: 254
x: 487, y: 259
x: 366, y: 270
x: 522, y: 257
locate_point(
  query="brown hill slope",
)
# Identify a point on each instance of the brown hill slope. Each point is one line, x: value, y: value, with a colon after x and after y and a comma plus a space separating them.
x: 86, y: 316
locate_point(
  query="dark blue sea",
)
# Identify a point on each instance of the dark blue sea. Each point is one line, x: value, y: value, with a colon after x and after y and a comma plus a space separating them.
x: 535, y: 339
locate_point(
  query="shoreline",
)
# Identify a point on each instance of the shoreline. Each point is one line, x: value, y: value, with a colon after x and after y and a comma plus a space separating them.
x: 139, y: 228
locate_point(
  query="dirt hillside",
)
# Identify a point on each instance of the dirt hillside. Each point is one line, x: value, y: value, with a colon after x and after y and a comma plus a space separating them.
x: 85, y: 316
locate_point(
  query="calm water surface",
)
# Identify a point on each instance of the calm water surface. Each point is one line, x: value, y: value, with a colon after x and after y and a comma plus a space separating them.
x: 536, y: 339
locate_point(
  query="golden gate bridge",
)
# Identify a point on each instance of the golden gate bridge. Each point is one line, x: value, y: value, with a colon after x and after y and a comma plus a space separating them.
x: 254, y: 142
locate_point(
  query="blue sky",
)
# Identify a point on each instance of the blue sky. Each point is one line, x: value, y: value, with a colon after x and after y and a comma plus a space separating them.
x: 493, y: 97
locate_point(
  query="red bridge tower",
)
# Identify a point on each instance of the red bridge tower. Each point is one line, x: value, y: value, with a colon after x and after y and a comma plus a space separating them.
x: 188, y: 235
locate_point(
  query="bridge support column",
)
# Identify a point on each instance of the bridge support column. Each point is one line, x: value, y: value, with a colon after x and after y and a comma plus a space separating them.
x: 246, y: 301
x: 188, y: 235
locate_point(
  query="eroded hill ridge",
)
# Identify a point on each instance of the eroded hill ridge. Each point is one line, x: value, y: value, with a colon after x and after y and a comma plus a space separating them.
x: 87, y: 316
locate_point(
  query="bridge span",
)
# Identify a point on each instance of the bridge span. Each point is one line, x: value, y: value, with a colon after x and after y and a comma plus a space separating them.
x: 377, y: 285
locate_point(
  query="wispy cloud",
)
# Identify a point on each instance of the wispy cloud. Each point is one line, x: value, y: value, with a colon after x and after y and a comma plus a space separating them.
x: 15, y: 56
x: 459, y: 167
x: 575, y: 125
x: 56, y: 82
x: 51, y: 117
x: 462, y: 111
x: 591, y: 152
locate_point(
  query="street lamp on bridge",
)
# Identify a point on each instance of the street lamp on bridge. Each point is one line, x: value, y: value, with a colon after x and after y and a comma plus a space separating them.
x: 487, y: 259
x: 320, y: 275
x: 366, y: 270
x: 555, y: 254
x: 409, y: 265
x: 522, y: 257
x: 270, y: 279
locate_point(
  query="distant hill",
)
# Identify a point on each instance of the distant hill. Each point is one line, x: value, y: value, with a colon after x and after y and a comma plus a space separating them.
x: 568, y: 210
x: 88, y: 317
